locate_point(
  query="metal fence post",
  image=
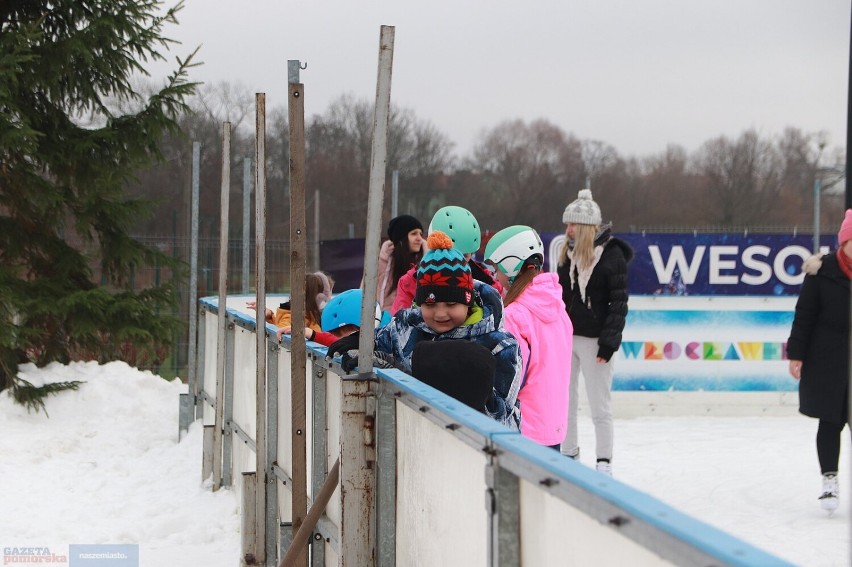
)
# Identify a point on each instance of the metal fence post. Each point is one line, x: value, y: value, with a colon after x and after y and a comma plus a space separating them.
x: 184, y: 415
x: 246, y: 223
x: 198, y: 383
x: 503, y: 503
x: 228, y: 409
x: 193, y: 281
x: 357, y: 479
x: 385, y: 477
x: 207, y: 453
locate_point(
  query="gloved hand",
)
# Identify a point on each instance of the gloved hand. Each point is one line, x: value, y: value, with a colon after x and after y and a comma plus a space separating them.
x: 344, y: 345
x: 347, y: 348
x: 349, y: 360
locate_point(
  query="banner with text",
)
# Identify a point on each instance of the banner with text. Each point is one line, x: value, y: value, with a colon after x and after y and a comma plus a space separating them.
x: 664, y: 263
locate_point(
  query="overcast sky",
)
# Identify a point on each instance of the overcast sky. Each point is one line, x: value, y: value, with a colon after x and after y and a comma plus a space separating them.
x: 637, y: 74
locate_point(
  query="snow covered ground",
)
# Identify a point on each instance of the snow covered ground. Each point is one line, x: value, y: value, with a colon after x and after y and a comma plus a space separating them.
x: 106, y: 468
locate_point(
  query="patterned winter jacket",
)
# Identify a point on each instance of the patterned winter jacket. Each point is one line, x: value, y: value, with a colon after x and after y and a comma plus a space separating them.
x: 408, y: 328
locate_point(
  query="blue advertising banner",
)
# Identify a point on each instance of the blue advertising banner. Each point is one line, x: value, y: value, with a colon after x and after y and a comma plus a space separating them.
x: 711, y: 264
x: 664, y: 264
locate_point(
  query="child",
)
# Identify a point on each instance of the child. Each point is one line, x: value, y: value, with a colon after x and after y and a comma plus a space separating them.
x: 461, y: 369
x: 451, y: 306
x: 460, y: 225
x: 340, y: 317
x: 535, y: 314
x: 318, y: 288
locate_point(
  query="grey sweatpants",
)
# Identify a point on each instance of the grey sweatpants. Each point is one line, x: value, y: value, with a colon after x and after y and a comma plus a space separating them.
x: 597, y: 378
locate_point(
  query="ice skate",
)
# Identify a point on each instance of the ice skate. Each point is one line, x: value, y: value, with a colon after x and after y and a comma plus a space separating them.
x: 604, y: 467
x: 829, y: 499
x: 575, y: 456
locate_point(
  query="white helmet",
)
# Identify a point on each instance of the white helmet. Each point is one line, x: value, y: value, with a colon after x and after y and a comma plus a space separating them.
x: 513, y: 246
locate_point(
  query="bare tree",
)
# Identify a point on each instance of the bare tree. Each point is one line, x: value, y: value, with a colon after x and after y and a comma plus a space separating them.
x: 742, y: 179
x: 667, y: 192
x: 599, y: 158
x: 527, y: 172
x: 224, y: 101
x: 339, y: 148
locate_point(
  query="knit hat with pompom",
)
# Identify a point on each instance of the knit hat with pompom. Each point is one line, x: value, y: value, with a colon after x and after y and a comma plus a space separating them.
x: 443, y: 275
x: 582, y: 211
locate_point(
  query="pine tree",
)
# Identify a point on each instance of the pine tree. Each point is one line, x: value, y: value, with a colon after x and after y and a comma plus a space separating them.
x: 65, y: 64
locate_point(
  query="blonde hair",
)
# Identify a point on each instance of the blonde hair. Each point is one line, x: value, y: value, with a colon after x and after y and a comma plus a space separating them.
x: 584, y: 246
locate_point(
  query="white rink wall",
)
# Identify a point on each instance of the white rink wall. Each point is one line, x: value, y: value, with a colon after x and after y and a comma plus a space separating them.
x: 466, y: 489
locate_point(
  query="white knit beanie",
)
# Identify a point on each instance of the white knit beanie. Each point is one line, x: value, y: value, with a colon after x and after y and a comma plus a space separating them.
x: 583, y: 211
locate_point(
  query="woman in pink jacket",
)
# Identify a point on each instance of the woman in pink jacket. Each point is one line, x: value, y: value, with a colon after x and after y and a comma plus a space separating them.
x: 535, y: 314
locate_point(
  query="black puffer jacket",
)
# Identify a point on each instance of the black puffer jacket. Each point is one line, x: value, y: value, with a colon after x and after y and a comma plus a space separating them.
x: 604, y: 310
x: 820, y: 339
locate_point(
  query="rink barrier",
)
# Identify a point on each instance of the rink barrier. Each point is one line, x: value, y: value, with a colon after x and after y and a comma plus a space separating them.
x: 452, y: 486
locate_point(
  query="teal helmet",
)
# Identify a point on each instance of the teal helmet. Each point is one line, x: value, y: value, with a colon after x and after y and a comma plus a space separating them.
x: 460, y: 225
x: 512, y: 247
x: 345, y: 309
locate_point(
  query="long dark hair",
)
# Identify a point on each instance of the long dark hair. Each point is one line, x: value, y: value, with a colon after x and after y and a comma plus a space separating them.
x: 402, y: 259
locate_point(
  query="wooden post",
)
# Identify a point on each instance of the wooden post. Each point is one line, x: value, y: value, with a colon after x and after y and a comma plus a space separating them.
x: 207, y: 452
x: 248, y: 528
x: 221, y: 358
x: 260, y: 350
x: 298, y: 350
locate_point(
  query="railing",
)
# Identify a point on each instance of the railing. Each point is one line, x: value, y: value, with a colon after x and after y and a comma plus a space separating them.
x: 451, y: 486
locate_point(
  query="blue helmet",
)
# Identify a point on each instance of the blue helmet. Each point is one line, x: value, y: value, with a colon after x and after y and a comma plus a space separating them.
x: 345, y: 309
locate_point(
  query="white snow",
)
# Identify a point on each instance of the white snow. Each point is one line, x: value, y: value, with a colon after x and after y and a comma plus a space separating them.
x: 106, y: 468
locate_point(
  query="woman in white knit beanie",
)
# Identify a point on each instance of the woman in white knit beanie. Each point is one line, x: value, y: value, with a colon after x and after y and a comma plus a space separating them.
x: 593, y: 274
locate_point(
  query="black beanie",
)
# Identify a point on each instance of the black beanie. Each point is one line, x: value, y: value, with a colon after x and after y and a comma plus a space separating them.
x: 459, y: 368
x: 399, y: 227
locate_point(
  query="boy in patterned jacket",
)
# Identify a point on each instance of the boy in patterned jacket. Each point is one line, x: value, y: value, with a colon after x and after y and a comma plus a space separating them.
x: 450, y: 305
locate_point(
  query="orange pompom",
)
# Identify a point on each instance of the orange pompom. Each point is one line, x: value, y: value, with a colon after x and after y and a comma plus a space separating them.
x: 439, y: 241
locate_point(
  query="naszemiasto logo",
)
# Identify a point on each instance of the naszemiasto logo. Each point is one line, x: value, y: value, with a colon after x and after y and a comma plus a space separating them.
x: 18, y: 555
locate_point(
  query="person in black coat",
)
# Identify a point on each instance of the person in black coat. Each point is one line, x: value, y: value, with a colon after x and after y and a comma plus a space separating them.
x: 593, y: 274
x: 818, y: 351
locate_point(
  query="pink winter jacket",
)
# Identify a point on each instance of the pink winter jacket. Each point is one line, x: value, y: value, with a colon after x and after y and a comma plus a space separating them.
x: 537, y: 318
x: 385, y: 273
x: 406, y: 289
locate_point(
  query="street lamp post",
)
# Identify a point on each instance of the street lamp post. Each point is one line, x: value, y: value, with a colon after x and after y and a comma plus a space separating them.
x: 817, y: 189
